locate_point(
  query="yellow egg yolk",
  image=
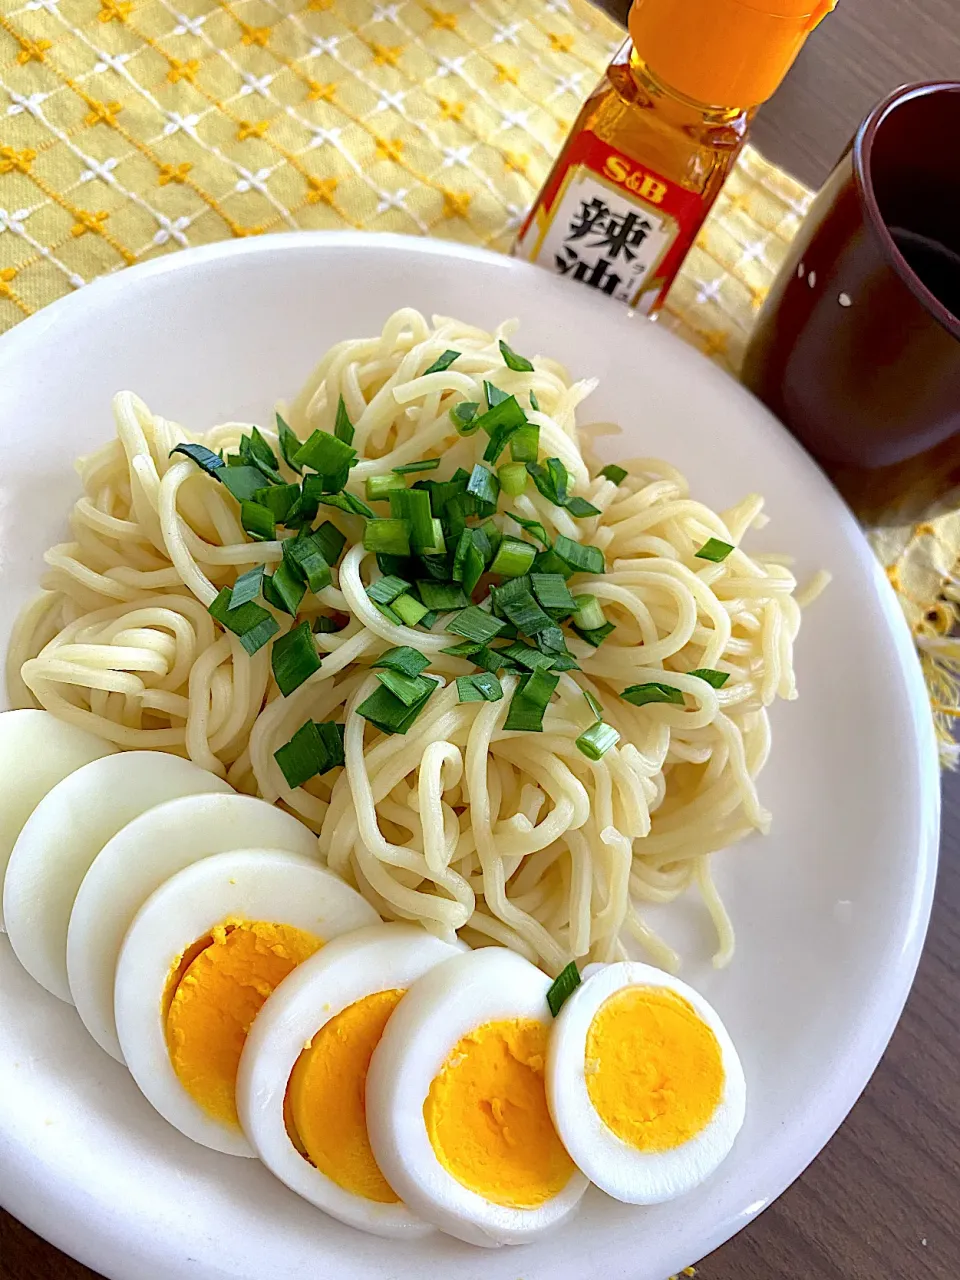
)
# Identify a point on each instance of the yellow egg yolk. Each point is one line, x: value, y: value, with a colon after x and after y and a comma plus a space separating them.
x: 487, y: 1119
x: 214, y: 992
x: 654, y: 1069
x: 326, y: 1097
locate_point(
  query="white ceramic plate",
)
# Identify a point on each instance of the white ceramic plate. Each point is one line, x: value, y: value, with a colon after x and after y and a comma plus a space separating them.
x: 830, y: 909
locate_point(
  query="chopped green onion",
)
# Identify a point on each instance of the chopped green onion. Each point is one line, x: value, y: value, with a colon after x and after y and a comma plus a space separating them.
x: 389, y: 613
x: 255, y: 450
x: 464, y: 543
x: 563, y: 987
x: 409, y: 689
x: 580, y: 508
x: 580, y: 558
x: 524, y: 612
x: 242, y: 481
x: 326, y: 626
x: 643, y: 694
x: 717, y: 679
x: 406, y: 660
x: 487, y: 538
x: 550, y: 640
x: 596, y: 741
x: 593, y: 704
x: 714, y: 550
x: 500, y: 423
x: 513, y: 478
x: 437, y: 545
x: 614, y: 473
x: 437, y: 567
x: 325, y: 453
x: 294, y: 658
x: 385, y: 710
x: 251, y: 624
x: 519, y: 364
x: 386, y: 590
x: 589, y: 614
x: 514, y: 558
x: 464, y: 416
x: 285, y: 589
x: 527, y: 657
x: 258, y: 521
x: 551, y: 479
x: 429, y: 619
x: 413, y: 505
x: 474, y: 623
x: 484, y: 687
x: 494, y: 395
x: 343, y: 427
x: 548, y: 562
x: 279, y: 499
x: 442, y: 596
x: 306, y: 556
x: 532, y: 526
x: 205, y: 458
x: 564, y: 662
x: 379, y: 488
x: 347, y: 502
x: 330, y: 541
x: 552, y: 592
x: 525, y: 442
x: 488, y: 659
x: 595, y: 635
x: 247, y: 587
x: 465, y: 650
x: 534, y: 402
x: 391, y: 536
x: 308, y: 503
x: 529, y: 702
x: 411, y: 611
x: 484, y: 485
x: 442, y: 362
x: 289, y: 444
x: 425, y: 464
x: 313, y: 749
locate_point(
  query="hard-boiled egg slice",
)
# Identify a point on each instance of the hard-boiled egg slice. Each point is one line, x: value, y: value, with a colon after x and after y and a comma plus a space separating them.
x: 645, y: 1086
x: 64, y: 834
x: 139, y: 858
x: 300, y: 1088
x: 456, y: 1105
x: 202, y: 955
x: 36, y: 752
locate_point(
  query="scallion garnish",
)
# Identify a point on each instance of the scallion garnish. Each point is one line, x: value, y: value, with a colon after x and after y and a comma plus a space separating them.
x: 413, y: 506
x: 524, y: 612
x: 595, y: 635
x: 551, y: 592
x: 596, y: 741
x: 385, y: 710
x: 385, y: 590
x: 550, y: 477
x: 484, y: 486
x: 519, y: 364
x: 563, y: 987
x: 379, y: 488
x: 347, y: 502
x: 306, y: 556
x: 342, y: 426
x: 326, y: 626
x: 205, y: 458
x: 716, y: 679
x: 528, y: 658
x: 389, y: 535
x: 529, y: 702
x: 242, y: 481
x: 500, y: 423
x: 513, y: 478
x: 588, y: 615
x: 285, y: 588
x: 325, y: 453
x: 580, y: 558
x: 465, y: 650
x: 614, y: 473
x: 279, y: 499
x: 714, y: 550
x: 474, y: 623
x: 464, y: 417
x: 294, y: 658
x: 255, y: 451
x: 525, y: 442
x: 403, y: 658
x: 643, y: 694
x: 442, y: 596
x: 247, y: 587
x: 580, y: 508
x: 534, y: 527
x: 252, y: 625
x: 314, y: 749
x: 514, y: 558
x: 289, y: 444
x: 409, y: 689
x: 442, y: 362
x: 308, y: 503
x: 484, y: 687
x: 409, y: 610
x: 548, y: 562
x: 425, y: 464
x: 494, y: 395
x: 330, y: 541
x: 257, y: 521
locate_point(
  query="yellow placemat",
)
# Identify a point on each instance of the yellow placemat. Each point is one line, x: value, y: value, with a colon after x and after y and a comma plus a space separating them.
x: 132, y: 128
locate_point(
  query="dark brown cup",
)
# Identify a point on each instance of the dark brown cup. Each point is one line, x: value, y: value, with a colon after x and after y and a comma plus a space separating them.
x: 857, y: 351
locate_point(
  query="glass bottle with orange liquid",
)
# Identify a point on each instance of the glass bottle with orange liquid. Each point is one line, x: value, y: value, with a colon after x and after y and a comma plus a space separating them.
x: 656, y: 140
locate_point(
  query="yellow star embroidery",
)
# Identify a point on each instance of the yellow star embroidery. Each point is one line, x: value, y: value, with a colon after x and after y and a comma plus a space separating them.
x: 320, y: 190
x: 183, y: 70
x: 114, y: 10
x: 445, y: 21
x: 32, y: 50
x: 389, y: 149
x: 101, y: 112
x: 385, y: 55
x: 16, y: 161
x: 558, y: 43
x: 456, y: 204
x: 504, y: 74
x: 6, y: 275
x: 88, y: 222
x: 450, y: 110
x: 320, y: 92
x: 173, y: 173
x: 252, y: 129
x: 254, y: 35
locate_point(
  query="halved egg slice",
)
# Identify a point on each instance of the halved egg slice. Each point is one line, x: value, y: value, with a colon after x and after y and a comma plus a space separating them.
x: 456, y: 1104
x: 645, y: 1086
x: 64, y: 834
x: 139, y: 858
x: 302, y: 1078
x: 202, y: 955
x: 36, y: 752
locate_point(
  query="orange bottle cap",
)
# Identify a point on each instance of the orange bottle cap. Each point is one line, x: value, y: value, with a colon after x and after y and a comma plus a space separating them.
x: 723, y: 53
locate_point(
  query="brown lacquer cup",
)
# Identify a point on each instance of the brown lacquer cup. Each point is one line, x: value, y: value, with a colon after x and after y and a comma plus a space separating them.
x: 857, y: 349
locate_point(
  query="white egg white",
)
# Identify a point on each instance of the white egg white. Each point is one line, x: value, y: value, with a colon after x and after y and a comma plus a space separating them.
x: 381, y: 958
x: 248, y: 884
x: 64, y: 834
x: 453, y: 999
x: 619, y: 1169
x: 36, y: 752
x: 139, y: 858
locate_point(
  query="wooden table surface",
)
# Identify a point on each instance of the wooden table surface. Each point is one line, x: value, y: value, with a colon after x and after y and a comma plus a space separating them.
x: 883, y: 1200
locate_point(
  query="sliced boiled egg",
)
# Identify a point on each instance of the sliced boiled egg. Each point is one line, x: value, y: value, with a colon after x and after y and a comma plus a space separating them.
x: 139, y: 858
x: 64, y: 834
x: 202, y: 955
x: 36, y: 752
x: 302, y: 1078
x: 456, y: 1103
x: 645, y: 1087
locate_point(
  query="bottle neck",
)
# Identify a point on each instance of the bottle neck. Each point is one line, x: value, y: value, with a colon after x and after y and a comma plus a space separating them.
x: 683, y: 110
